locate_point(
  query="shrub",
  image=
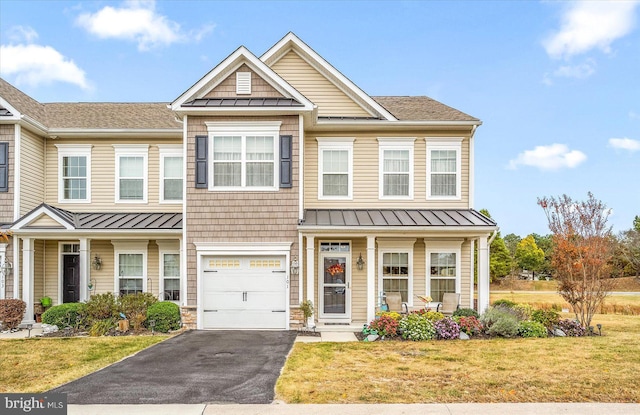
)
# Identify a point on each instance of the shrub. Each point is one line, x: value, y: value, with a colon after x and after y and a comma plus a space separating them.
x: 11, y: 313
x: 466, y: 312
x: 447, y: 329
x: 547, y: 318
x: 416, y: 326
x: 504, y: 303
x: 166, y: 315
x: 524, y: 310
x: 66, y: 315
x: 470, y: 325
x: 102, y: 307
x: 532, y: 329
x: 385, y: 325
x: 500, y: 321
x: 571, y: 328
x: 392, y: 314
x: 433, y: 316
x: 102, y: 327
x: 134, y: 307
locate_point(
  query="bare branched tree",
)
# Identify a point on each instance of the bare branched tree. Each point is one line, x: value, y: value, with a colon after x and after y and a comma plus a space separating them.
x: 582, y: 249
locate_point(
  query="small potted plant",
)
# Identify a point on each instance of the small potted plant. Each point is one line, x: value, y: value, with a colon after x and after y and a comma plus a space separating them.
x: 307, y: 311
x: 46, y: 302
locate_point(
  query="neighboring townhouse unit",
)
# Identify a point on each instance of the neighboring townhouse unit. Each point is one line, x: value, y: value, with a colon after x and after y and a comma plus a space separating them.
x: 271, y: 180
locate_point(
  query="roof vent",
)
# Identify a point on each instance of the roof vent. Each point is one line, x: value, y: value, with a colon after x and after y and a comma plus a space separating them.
x: 243, y: 83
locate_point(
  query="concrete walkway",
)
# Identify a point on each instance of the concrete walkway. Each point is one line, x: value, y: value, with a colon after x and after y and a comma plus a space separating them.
x: 356, y: 409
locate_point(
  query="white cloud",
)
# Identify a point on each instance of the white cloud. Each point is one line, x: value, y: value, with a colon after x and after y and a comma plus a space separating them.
x: 552, y: 157
x: 588, y: 25
x: 139, y: 22
x: 36, y: 65
x: 624, y: 144
x: 22, y: 34
x: 580, y: 71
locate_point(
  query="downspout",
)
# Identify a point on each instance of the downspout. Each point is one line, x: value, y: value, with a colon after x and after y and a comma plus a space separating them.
x: 493, y: 236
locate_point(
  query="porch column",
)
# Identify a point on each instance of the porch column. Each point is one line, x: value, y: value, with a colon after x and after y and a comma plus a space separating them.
x: 16, y: 268
x: 84, y: 269
x: 311, y: 252
x: 372, y: 298
x: 483, y: 274
x: 3, y: 272
x: 27, y: 279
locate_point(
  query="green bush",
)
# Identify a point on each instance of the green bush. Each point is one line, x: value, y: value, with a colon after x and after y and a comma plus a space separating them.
x: 500, y: 321
x: 547, y: 318
x: 166, y: 315
x: 134, y: 307
x: 66, y: 315
x: 524, y: 310
x: 11, y: 313
x: 466, y: 312
x: 504, y: 303
x: 416, y: 326
x: 532, y: 329
x: 102, y: 327
x: 102, y: 307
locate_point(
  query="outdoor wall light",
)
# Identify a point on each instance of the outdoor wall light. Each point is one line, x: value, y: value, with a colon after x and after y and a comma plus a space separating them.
x: 6, y: 266
x: 97, y: 262
x: 295, y: 265
x: 360, y: 262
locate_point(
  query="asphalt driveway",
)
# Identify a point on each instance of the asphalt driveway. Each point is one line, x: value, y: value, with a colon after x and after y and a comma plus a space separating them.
x: 193, y: 367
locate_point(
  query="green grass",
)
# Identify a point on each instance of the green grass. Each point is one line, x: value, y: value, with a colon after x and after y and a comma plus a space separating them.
x: 39, y: 364
x: 600, y: 369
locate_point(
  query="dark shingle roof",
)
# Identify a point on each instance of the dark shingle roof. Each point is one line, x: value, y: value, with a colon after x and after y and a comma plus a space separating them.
x: 243, y: 102
x: 421, y: 108
x: 395, y: 217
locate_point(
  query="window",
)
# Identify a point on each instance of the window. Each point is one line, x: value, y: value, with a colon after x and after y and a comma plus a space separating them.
x: 395, y: 258
x: 443, y: 169
x: 171, y: 276
x: 74, y: 167
x: 244, y: 155
x: 443, y: 269
x: 335, y: 168
x: 130, y: 266
x: 171, y: 173
x: 131, y: 173
x: 396, y: 168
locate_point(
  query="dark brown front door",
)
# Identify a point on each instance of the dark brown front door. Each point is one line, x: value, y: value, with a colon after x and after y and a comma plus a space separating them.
x: 71, y: 278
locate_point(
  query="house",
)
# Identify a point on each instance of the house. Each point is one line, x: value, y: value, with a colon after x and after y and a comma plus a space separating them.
x: 270, y: 180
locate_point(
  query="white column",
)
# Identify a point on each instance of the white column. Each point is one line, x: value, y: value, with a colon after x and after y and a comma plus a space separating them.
x: 311, y: 251
x: 372, y: 298
x: 483, y: 274
x: 16, y: 268
x: 472, y: 290
x: 85, y: 256
x: 27, y: 279
x: 3, y: 273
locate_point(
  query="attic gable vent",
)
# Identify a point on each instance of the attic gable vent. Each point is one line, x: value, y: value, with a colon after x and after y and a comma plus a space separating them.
x: 243, y: 83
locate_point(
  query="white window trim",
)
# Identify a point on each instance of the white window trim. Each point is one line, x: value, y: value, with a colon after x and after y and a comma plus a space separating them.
x: 71, y: 150
x: 132, y: 150
x: 445, y: 143
x: 443, y: 247
x: 169, y: 150
x: 167, y: 247
x: 335, y: 143
x: 396, y: 246
x: 129, y: 247
x: 267, y: 128
x: 395, y: 144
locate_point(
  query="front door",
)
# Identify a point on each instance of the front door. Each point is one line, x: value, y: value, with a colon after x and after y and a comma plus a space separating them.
x: 70, y: 278
x: 335, y: 285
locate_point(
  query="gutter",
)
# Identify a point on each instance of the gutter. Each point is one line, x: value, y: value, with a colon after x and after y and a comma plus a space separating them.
x: 495, y: 233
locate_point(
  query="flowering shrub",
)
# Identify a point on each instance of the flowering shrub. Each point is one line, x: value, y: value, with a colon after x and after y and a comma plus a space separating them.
x: 447, y: 329
x: 386, y: 325
x: 525, y: 310
x: 392, y: 314
x: 548, y: 318
x: 571, y: 328
x: 470, y: 325
x: 434, y: 316
x: 532, y: 329
x: 416, y: 326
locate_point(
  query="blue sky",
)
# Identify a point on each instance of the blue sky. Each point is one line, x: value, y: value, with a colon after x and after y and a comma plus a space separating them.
x: 556, y: 84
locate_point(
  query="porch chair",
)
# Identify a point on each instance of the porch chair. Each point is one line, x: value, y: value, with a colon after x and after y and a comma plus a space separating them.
x: 394, y: 302
x: 450, y: 303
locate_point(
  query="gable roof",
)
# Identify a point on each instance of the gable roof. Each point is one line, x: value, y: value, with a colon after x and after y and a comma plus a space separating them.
x: 21, y: 102
x: 421, y: 108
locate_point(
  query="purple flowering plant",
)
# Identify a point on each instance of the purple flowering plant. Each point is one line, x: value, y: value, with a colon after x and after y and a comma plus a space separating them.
x: 447, y: 329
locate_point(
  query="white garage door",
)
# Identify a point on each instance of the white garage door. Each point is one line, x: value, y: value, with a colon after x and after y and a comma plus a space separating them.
x: 244, y: 292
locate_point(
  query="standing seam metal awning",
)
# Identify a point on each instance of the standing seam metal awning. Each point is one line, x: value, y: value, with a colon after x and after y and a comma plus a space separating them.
x: 395, y: 218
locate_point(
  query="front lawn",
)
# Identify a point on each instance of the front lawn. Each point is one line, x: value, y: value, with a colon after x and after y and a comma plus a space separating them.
x: 601, y: 369
x: 39, y: 364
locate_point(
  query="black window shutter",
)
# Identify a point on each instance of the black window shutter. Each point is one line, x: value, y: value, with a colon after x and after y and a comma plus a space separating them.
x: 4, y: 167
x: 201, y: 161
x: 286, y: 161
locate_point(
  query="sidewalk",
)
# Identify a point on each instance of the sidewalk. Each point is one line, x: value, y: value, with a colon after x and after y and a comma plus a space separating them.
x: 357, y: 409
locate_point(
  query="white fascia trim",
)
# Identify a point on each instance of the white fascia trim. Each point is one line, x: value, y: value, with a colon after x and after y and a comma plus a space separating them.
x: 402, y: 143
x: 229, y: 65
x: 231, y: 248
x: 70, y: 150
x: 15, y: 114
x: 43, y: 210
x: 436, y: 231
x: 114, y: 132
x: 52, y: 233
x: 291, y: 40
x: 399, y: 123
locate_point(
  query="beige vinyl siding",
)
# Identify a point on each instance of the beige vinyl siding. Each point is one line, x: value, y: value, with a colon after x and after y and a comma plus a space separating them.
x: 7, y: 134
x: 366, y: 176
x: 358, y: 281
x: 103, y: 279
x: 259, y: 87
x: 44, y: 221
x: 31, y: 171
x: 103, y: 178
x: 38, y: 271
x: 331, y: 101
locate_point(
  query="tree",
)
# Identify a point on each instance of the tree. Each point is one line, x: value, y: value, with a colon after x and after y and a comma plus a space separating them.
x: 582, y: 250
x: 544, y: 243
x: 629, y: 249
x: 499, y: 258
x: 528, y: 255
x: 636, y: 223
